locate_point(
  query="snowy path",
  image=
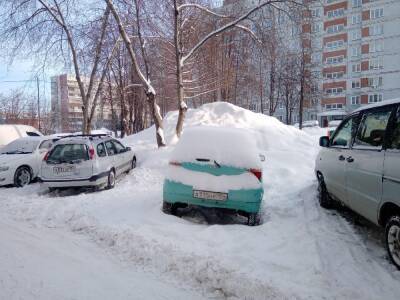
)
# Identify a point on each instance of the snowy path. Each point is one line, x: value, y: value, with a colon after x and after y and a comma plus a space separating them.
x: 40, y: 263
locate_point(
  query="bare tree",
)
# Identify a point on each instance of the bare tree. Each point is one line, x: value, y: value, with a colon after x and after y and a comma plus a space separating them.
x: 50, y: 26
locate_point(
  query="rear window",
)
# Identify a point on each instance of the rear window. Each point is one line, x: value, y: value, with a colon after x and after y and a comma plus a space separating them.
x: 227, y: 146
x: 68, y: 153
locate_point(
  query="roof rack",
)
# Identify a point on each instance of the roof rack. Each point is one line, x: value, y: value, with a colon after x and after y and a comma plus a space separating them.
x: 90, y: 136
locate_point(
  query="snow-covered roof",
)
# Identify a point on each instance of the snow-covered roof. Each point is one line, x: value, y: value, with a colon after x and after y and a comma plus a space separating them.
x: 332, y: 113
x: 378, y: 104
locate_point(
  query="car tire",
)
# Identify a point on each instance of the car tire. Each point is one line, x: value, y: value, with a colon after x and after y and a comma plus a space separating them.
x: 392, y: 235
x: 324, y: 199
x: 22, y: 176
x: 169, y: 208
x: 111, y: 180
x: 253, y: 219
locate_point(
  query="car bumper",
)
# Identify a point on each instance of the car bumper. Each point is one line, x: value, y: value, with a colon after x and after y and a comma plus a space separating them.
x: 94, y: 180
x: 240, y: 200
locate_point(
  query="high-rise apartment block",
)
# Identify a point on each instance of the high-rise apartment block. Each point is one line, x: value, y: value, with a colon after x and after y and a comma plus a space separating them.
x: 66, y: 106
x: 357, y: 43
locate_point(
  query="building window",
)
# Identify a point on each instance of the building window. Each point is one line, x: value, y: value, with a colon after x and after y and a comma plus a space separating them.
x: 356, y: 51
x: 316, y: 12
x: 336, y: 13
x: 316, y: 58
x: 356, y: 34
x: 356, y: 19
x: 356, y: 3
x: 334, y: 60
x: 376, y: 29
x: 356, y: 84
x: 373, y: 98
x: 376, y: 63
x: 334, y: 44
x: 335, y: 28
x: 355, y: 68
x: 376, y: 13
x: 333, y: 106
x: 375, y: 82
x: 315, y: 27
x: 376, y: 46
x: 334, y: 75
x: 355, y: 100
x: 334, y: 91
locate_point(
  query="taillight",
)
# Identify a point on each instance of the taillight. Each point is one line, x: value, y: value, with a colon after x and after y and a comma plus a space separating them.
x: 175, y: 163
x: 91, y: 153
x: 46, y: 156
x: 257, y: 173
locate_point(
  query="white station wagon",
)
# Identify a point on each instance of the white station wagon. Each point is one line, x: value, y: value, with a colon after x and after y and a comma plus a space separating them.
x: 86, y: 161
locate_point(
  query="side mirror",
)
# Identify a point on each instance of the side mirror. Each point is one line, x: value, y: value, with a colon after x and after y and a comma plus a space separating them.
x: 262, y: 157
x: 128, y: 149
x: 324, y: 141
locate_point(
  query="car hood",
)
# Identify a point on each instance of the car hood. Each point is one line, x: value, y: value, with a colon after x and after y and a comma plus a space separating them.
x: 11, y: 159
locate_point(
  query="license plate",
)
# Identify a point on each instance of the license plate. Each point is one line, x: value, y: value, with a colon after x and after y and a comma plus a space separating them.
x: 62, y: 170
x: 210, y: 195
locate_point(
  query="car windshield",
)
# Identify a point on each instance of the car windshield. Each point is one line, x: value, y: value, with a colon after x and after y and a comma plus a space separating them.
x: 68, y: 153
x: 20, y: 146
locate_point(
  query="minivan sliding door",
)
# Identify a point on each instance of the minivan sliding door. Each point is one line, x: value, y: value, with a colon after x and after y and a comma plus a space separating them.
x: 364, y: 165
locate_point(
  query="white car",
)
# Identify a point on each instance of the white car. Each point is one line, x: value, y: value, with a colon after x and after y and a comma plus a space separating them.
x: 9, y: 133
x: 20, y: 160
x: 86, y: 161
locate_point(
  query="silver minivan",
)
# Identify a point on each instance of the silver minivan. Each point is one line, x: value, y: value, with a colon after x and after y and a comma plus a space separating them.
x: 359, y: 165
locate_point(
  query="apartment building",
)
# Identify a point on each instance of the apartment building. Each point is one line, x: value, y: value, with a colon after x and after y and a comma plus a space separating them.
x: 359, y: 42
x: 66, y: 106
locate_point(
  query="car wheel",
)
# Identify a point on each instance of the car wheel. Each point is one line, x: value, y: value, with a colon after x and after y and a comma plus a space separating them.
x: 323, y: 196
x: 393, y: 239
x: 111, y: 180
x: 22, y: 177
x: 169, y: 208
x: 133, y: 163
x: 253, y: 219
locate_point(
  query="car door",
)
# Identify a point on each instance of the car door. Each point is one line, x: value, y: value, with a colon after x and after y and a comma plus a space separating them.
x: 104, y: 162
x: 391, y: 169
x: 111, y: 152
x: 333, y: 158
x: 122, y: 160
x: 364, y: 165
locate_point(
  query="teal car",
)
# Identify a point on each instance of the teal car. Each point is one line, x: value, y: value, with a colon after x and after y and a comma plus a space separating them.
x: 215, y: 167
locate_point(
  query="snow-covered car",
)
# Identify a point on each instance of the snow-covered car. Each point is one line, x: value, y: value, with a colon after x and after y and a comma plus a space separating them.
x: 360, y: 167
x: 215, y: 167
x: 20, y: 160
x: 9, y: 133
x: 86, y: 161
x: 332, y: 125
x: 311, y: 123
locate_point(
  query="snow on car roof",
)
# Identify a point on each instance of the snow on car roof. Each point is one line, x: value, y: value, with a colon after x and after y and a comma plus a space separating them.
x: 228, y: 146
x: 378, y: 104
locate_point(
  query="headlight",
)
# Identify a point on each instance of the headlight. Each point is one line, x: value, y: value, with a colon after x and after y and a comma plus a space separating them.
x: 4, y: 168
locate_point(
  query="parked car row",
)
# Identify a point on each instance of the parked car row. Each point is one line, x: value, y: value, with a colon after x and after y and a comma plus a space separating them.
x: 67, y: 161
x: 359, y: 165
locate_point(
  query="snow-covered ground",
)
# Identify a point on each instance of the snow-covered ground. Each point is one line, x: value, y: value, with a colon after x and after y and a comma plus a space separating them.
x: 300, y: 251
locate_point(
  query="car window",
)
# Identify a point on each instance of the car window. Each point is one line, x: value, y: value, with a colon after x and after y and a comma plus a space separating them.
x: 395, y: 140
x: 110, y: 148
x: 118, y: 146
x: 68, y: 152
x: 101, y: 150
x: 47, y: 144
x: 371, y: 131
x: 343, y: 135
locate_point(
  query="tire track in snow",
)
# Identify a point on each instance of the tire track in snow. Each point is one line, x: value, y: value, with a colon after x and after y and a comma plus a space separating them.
x: 347, y: 265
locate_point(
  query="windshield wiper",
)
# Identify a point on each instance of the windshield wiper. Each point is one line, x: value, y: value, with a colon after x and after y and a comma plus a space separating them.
x: 217, y: 164
x: 17, y: 152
